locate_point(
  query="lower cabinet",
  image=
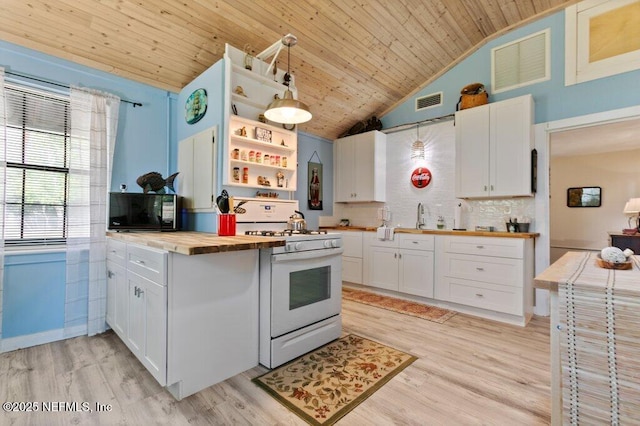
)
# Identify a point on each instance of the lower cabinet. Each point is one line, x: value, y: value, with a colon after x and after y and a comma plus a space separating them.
x: 489, y: 273
x: 136, y: 305
x: 147, y: 335
x: 352, y: 257
x: 490, y: 277
x: 117, y: 292
x: 404, y: 264
x: 192, y: 321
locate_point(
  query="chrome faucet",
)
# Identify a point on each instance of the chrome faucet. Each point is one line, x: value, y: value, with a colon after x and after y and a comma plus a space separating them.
x: 420, y: 216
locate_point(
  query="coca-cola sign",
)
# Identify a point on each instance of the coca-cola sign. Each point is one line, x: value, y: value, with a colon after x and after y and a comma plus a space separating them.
x: 421, y: 177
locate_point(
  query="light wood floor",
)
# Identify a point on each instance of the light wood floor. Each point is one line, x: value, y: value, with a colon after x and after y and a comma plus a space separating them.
x: 470, y: 371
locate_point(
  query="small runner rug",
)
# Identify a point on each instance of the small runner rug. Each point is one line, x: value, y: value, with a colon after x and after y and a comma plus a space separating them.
x: 402, y: 306
x: 324, y: 385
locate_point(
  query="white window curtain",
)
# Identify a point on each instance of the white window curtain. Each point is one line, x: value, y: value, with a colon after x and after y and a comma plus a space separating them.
x: 94, y: 123
x: 3, y: 168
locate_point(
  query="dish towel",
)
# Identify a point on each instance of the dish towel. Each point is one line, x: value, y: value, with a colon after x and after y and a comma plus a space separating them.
x: 385, y: 233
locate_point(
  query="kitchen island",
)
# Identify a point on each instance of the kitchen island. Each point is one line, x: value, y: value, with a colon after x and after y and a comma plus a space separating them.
x: 186, y: 304
x: 595, y: 318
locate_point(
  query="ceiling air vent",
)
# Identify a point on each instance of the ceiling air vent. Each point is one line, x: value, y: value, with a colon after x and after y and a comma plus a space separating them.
x: 429, y: 101
x: 521, y: 62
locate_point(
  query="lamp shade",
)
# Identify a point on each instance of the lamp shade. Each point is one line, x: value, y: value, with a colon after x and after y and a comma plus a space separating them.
x: 288, y: 110
x: 632, y: 206
x: 417, y: 150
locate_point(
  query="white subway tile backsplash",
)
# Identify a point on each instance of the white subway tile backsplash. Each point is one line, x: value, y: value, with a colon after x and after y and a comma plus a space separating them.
x: 438, y: 197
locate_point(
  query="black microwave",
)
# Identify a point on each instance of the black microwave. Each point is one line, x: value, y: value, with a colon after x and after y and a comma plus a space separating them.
x: 143, y: 212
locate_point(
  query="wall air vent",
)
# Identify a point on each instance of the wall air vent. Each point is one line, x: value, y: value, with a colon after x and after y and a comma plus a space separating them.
x: 423, y: 102
x: 521, y: 62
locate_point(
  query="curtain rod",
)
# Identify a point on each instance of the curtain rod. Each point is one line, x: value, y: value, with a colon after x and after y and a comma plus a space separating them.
x: 66, y: 86
x: 401, y: 127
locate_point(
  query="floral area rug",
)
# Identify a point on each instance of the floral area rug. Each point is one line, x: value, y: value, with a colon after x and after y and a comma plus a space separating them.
x: 324, y: 385
x: 419, y: 310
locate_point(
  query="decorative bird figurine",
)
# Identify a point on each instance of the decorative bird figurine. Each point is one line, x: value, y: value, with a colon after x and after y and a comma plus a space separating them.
x: 153, y: 181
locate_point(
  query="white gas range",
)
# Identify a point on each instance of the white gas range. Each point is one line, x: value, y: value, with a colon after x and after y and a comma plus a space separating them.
x: 300, y: 282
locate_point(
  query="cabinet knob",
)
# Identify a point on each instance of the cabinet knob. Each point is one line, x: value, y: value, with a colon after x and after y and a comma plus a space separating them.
x: 109, y: 274
x: 485, y: 187
x: 492, y: 187
x: 395, y: 255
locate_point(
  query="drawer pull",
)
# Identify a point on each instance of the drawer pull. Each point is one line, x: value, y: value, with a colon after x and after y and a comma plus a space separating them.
x: 139, y: 262
x: 479, y: 295
x: 414, y: 242
x: 480, y: 269
x: 480, y: 247
x: 395, y: 255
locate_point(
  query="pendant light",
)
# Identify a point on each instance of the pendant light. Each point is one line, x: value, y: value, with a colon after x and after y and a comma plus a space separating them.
x: 288, y: 110
x: 417, y: 148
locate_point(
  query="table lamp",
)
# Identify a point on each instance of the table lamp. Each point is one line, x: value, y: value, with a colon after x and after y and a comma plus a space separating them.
x: 632, y: 208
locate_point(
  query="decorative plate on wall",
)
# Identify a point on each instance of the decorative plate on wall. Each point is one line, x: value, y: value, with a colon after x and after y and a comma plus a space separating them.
x: 196, y: 106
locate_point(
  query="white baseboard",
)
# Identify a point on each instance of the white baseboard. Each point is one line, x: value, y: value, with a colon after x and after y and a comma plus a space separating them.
x: 19, y: 342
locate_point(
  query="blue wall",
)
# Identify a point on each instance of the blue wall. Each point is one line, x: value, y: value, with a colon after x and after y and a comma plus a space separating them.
x: 553, y: 100
x: 307, y: 146
x: 34, y: 294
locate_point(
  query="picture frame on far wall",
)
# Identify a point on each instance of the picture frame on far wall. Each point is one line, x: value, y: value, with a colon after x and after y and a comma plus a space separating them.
x: 584, y: 196
x: 314, y: 185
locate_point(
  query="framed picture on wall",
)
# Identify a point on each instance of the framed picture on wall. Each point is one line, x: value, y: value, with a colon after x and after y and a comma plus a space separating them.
x: 584, y: 196
x: 314, y: 185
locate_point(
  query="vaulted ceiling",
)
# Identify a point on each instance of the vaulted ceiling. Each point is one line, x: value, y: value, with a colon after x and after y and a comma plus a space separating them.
x: 354, y: 59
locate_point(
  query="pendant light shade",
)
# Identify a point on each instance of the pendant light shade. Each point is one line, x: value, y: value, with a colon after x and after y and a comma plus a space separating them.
x: 288, y: 110
x: 417, y: 148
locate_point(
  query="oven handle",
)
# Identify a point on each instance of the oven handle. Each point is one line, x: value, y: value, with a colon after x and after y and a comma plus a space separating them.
x: 302, y: 255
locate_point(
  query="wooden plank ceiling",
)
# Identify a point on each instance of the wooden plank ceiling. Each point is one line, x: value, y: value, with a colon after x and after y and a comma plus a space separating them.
x: 354, y: 59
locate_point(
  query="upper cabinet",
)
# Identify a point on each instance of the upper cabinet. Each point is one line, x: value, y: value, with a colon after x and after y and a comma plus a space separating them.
x: 197, y: 165
x: 359, y: 163
x: 258, y: 154
x: 493, y: 149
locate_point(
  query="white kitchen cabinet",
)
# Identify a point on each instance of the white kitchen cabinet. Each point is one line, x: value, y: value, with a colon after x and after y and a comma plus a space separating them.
x: 493, y: 149
x: 416, y: 264
x: 404, y: 264
x: 192, y: 321
x: 492, y: 274
x: 360, y: 167
x: 197, y: 166
x: 147, y: 335
x: 117, y: 292
x: 137, y: 296
x: 352, y: 257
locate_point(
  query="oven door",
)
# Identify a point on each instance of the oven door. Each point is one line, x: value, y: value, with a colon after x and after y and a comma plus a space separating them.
x: 306, y: 287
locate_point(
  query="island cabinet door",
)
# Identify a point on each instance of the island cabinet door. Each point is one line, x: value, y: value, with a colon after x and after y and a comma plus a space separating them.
x: 117, y: 298
x: 147, y: 336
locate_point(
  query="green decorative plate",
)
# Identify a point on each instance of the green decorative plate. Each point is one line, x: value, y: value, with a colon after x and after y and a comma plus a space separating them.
x: 196, y: 106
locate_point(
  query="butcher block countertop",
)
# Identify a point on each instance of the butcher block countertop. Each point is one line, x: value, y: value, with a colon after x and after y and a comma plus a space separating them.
x: 190, y: 243
x: 525, y: 235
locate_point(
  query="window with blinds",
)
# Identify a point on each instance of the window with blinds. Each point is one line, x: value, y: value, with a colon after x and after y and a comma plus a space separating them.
x: 521, y: 63
x: 38, y: 132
